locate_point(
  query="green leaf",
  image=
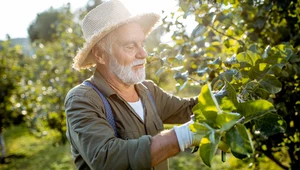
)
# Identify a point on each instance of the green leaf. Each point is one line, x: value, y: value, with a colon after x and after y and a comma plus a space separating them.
x: 199, y: 128
x: 276, y: 69
x: 228, y: 74
x: 198, y: 30
x: 198, y: 115
x: 179, y: 68
x: 203, y: 71
x: 294, y: 58
x: 208, y: 18
x: 271, y: 84
x: 184, y: 6
x: 227, y: 104
x: 260, y: 22
x: 285, y: 50
x: 226, y: 120
x: 255, y: 49
x: 217, y: 62
x: 208, y: 103
x: 266, y: 52
x: 230, y: 61
x: 269, y: 124
x: 231, y: 93
x: 223, y: 146
x: 240, y: 141
x: 181, y: 86
x: 262, y: 93
x: 258, y: 71
x: 203, y: 9
x: 255, y: 109
x: 254, y: 56
x: 161, y: 70
x: 225, y: 2
x: 251, y: 86
x: 243, y: 57
x: 208, y: 147
x: 181, y: 78
x: 226, y: 43
x: 179, y: 57
x: 248, y: 57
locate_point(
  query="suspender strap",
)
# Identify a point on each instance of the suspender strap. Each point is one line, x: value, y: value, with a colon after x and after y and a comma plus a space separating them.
x: 109, y: 115
x: 152, y: 100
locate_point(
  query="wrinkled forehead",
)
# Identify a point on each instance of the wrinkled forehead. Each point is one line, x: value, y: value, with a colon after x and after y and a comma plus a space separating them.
x: 128, y: 31
x: 130, y: 25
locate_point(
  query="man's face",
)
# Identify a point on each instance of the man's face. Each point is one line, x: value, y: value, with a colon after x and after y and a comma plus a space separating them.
x: 128, y: 60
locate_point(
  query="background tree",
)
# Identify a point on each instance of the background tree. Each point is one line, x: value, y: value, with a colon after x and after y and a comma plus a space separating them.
x: 44, y: 25
x: 48, y: 72
x: 11, y: 62
x: 253, y: 46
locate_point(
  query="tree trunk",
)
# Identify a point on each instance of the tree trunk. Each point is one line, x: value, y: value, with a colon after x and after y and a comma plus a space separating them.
x: 2, y: 146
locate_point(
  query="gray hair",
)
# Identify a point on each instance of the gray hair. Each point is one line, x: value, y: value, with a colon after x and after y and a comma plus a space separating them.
x: 106, y: 43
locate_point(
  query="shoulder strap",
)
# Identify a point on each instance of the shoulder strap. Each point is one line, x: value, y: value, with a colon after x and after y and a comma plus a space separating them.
x: 109, y: 116
x: 151, y: 98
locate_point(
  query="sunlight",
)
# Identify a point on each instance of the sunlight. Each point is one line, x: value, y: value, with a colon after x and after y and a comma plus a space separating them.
x: 19, y: 29
x: 138, y: 6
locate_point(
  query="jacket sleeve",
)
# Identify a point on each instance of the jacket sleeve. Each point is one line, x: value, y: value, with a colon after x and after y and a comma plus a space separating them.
x: 93, y: 137
x: 172, y: 109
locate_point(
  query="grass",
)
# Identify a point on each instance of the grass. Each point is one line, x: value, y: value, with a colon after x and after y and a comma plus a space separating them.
x: 27, y: 152
x: 188, y: 161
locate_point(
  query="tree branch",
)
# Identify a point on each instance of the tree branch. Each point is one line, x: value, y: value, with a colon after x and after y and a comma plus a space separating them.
x: 271, y: 156
x: 226, y: 35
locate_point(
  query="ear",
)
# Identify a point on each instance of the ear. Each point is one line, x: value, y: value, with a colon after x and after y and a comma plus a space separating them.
x: 98, y: 54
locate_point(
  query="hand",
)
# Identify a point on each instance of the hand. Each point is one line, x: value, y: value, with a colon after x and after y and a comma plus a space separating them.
x: 186, y: 137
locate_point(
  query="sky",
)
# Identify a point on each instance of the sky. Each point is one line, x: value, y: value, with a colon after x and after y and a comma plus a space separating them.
x: 17, y: 15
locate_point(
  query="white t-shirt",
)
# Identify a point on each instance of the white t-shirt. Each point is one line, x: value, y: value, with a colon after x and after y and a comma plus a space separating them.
x: 138, y: 108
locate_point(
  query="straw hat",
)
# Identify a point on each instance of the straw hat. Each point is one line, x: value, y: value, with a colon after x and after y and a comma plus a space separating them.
x: 103, y: 19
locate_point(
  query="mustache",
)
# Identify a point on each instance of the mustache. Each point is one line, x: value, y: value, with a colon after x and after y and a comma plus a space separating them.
x: 138, y: 62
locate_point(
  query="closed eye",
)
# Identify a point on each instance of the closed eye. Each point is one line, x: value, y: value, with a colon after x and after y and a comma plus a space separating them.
x: 130, y: 47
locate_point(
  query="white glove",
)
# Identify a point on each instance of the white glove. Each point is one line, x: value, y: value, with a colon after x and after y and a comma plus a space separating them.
x: 185, y: 137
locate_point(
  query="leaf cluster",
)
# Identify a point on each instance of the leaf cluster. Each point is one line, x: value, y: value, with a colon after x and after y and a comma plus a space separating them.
x: 248, y: 51
x: 223, y: 123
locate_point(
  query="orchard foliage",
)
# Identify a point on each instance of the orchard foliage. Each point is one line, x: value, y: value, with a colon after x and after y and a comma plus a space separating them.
x: 11, y: 74
x: 44, y: 25
x: 33, y: 88
x: 247, y: 53
x: 51, y: 75
x: 38, y: 84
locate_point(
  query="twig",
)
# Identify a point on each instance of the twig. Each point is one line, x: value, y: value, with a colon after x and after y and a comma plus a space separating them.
x: 226, y: 35
x: 271, y: 156
x: 198, y: 81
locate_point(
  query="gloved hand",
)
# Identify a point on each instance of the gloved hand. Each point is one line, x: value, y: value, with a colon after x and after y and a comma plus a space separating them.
x: 186, y: 137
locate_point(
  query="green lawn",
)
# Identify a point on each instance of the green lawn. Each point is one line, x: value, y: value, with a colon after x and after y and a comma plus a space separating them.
x: 27, y: 152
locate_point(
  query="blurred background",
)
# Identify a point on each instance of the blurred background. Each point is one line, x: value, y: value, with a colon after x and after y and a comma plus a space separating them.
x: 195, y: 43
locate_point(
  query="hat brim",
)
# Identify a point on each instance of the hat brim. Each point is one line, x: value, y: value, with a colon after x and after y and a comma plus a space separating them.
x: 84, y: 58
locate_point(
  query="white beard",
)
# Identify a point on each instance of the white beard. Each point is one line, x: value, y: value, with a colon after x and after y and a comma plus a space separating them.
x: 126, y: 73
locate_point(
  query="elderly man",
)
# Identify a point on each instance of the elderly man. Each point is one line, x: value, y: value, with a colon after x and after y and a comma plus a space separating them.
x: 115, y: 118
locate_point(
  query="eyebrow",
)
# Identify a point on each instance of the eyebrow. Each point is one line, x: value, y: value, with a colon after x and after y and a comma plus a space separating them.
x: 132, y: 42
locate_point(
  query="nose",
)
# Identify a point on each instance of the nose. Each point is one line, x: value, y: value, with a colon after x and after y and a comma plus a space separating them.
x: 142, y: 53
